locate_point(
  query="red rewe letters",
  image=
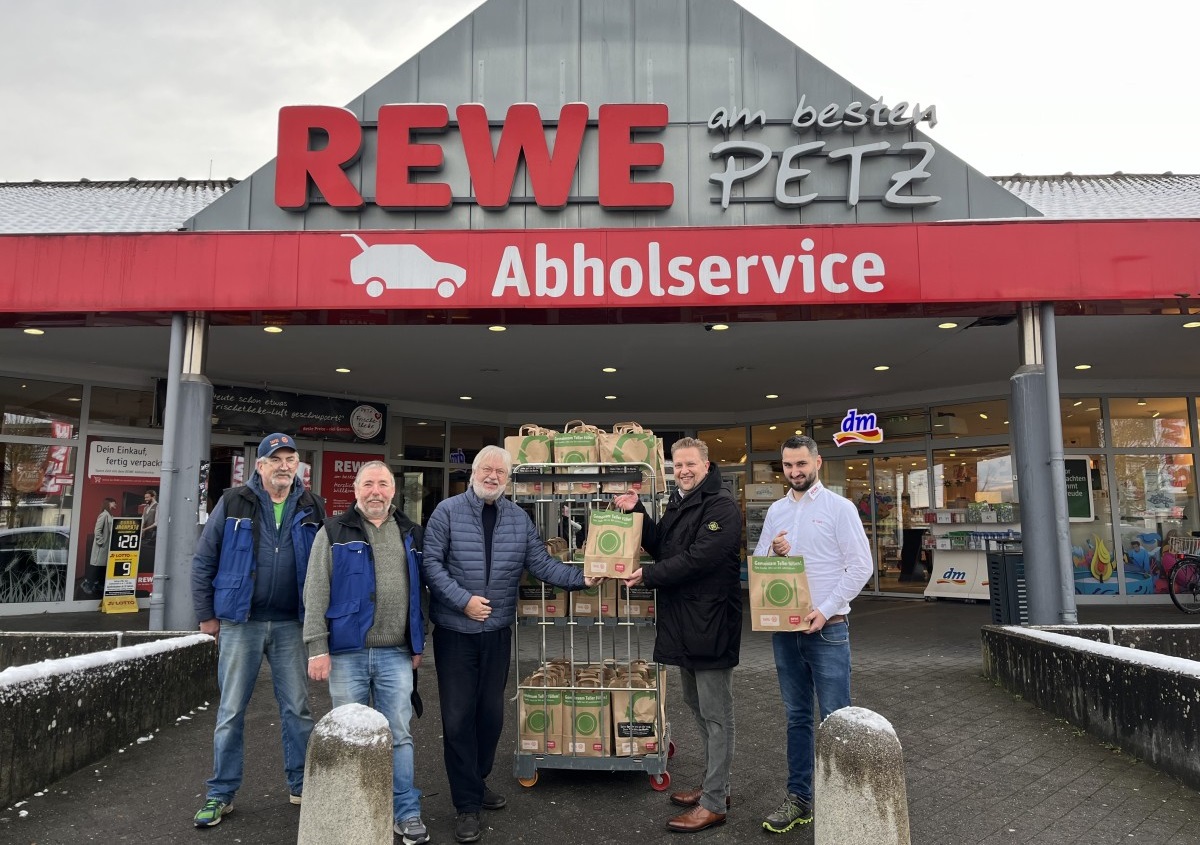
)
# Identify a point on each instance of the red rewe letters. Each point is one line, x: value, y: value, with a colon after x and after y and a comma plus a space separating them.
x: 524, y: 134
x: 492, y: 172
x: 297, y: 161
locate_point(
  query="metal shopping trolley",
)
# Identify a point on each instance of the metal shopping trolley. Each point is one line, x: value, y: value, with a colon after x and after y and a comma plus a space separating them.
x: 586, y: 697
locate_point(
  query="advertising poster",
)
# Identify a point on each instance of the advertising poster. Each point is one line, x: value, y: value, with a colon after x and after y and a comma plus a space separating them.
x: 120, y: 483
x: 337, y: 479
x: 120, y: 583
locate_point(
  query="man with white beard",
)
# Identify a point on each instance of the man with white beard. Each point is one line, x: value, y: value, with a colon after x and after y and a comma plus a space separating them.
x: 477, y: 545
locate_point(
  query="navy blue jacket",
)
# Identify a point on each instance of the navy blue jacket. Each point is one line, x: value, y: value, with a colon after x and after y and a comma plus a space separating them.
x: 453, y: 563
x: 351, y: 610
x: 244, y: 568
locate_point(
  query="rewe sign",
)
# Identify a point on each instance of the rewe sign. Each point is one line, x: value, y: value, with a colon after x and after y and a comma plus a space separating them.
x: 493, y: 170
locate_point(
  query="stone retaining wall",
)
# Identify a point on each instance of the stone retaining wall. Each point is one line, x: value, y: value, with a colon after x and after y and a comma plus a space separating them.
x: 1143, y: 700
x: 65, y: 713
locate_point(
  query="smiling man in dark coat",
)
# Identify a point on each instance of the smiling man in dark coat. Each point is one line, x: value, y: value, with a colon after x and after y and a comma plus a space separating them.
x: 697, y: 571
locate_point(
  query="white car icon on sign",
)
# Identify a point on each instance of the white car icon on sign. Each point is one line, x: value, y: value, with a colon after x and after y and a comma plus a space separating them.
x: 402, y: 267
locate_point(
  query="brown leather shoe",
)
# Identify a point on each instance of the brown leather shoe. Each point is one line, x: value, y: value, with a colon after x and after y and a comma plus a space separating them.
x: 697, y: 818
x: 691, y: 798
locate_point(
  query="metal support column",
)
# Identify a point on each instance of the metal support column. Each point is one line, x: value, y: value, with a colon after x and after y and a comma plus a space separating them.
x: 1058, y: 469
x: 187, y: 435
x: 1031, y: 457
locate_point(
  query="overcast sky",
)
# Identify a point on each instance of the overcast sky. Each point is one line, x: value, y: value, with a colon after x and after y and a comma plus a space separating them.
x: 108, y: 89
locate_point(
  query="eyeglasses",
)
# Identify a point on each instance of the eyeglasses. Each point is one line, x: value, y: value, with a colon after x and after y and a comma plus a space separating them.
x: 484, y: 472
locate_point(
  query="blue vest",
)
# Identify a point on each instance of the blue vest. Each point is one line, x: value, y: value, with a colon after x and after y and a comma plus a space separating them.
x: 351, y: 610
x: 233, y: 586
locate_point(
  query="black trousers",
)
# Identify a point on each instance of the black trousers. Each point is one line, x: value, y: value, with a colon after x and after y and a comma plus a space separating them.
x: 472, y: 671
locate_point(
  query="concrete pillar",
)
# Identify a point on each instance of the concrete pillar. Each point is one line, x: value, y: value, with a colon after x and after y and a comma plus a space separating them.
x: 859, y: 781
x: 348, y: 779
x: 187, y: 434
x: 1028, y: 414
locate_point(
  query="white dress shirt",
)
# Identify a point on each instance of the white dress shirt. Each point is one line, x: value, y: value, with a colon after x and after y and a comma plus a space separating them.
x: 825, y: 529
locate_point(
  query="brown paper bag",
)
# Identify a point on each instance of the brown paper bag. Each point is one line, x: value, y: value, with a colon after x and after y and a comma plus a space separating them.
x: 613, y: 544
x: 636, y: 447
x: 779, y: 596
x: 578, y: 444
x: 532, y: 445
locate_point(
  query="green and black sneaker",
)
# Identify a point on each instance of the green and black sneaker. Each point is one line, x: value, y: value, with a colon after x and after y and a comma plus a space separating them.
x: 793, y: 811
x: 212, y: 812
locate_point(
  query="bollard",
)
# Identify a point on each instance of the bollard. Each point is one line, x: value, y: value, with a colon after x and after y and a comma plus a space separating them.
x: 348, y: 780
x: 859, y: 783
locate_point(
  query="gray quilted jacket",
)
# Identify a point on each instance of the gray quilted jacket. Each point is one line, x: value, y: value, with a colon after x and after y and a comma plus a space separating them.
x: 453, y: 565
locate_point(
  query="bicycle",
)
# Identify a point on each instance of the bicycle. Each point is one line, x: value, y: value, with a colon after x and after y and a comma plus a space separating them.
x: 1183, y: 581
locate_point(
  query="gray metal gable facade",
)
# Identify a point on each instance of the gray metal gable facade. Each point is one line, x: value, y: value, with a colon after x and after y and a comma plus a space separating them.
x: 694, y: 56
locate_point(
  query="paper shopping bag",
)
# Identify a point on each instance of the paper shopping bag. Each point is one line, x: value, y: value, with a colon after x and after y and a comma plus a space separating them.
x: 779, y: 596
x: 579, y: 445
x: 613, y: 542
x: 532, y: 445
x: 629, y: 448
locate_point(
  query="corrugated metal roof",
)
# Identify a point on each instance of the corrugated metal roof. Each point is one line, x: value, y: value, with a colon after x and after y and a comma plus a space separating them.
x: 40, y: 208
x: 1118, y: 195
x: 162, y: 206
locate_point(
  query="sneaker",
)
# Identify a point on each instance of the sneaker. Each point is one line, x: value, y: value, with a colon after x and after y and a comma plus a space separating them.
x: 493, y: 800
x: 466, y: 827
x: 212, y: 812
x: 295, y: 799
x: 793, y: 811
x: 413, y: 830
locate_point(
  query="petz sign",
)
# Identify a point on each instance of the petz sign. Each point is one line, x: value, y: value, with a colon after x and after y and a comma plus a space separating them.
x: 317, y: 144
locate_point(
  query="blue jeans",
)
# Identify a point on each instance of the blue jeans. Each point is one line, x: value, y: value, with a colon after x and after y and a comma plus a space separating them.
x: 383, y: 678
x: 810, y: 663
x: 242, y: 647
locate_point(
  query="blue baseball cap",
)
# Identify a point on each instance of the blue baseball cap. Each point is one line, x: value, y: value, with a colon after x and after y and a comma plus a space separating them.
x: 272, y: 443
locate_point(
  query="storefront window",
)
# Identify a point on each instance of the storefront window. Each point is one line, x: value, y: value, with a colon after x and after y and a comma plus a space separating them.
x: 419, y: 490
x: 978, y: 476
x: 1095, y: 557
x: 1082, y: 425
x: 423, y: 440
x: 912, y: 424
x: 36, y: 491
x: 973, y: 419
x: 113, y: 406
x: 769, y: 437
x: 39, y: 408
x: 725, y: 445
x: 466, y: 440
x: 1149, y: 422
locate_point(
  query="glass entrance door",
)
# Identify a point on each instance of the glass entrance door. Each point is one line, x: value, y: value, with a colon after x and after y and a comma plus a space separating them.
x: 891, y: 494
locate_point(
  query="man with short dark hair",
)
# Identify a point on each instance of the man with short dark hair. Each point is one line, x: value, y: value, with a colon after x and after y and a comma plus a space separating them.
x: 247, y: 583
x: 697, y: 547
x: 826, y: 530
x: 363, y: 626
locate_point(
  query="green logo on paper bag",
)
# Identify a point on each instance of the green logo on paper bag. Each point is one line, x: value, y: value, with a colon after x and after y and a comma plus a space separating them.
x: 536, y: 721
x: 779, y: 593
x: 609, y: 542
x: 586, y: 724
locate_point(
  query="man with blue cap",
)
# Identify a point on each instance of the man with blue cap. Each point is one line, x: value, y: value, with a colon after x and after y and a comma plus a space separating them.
x: 247, y: 583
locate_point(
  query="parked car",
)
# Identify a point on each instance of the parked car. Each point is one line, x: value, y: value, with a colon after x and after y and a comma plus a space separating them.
x: 33, y: 563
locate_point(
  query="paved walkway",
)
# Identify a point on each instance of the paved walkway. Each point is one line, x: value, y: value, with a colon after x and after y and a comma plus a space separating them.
x: 982, y: 766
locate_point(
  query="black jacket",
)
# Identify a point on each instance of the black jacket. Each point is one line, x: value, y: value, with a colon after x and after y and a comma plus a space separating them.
x: 697, y: 551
